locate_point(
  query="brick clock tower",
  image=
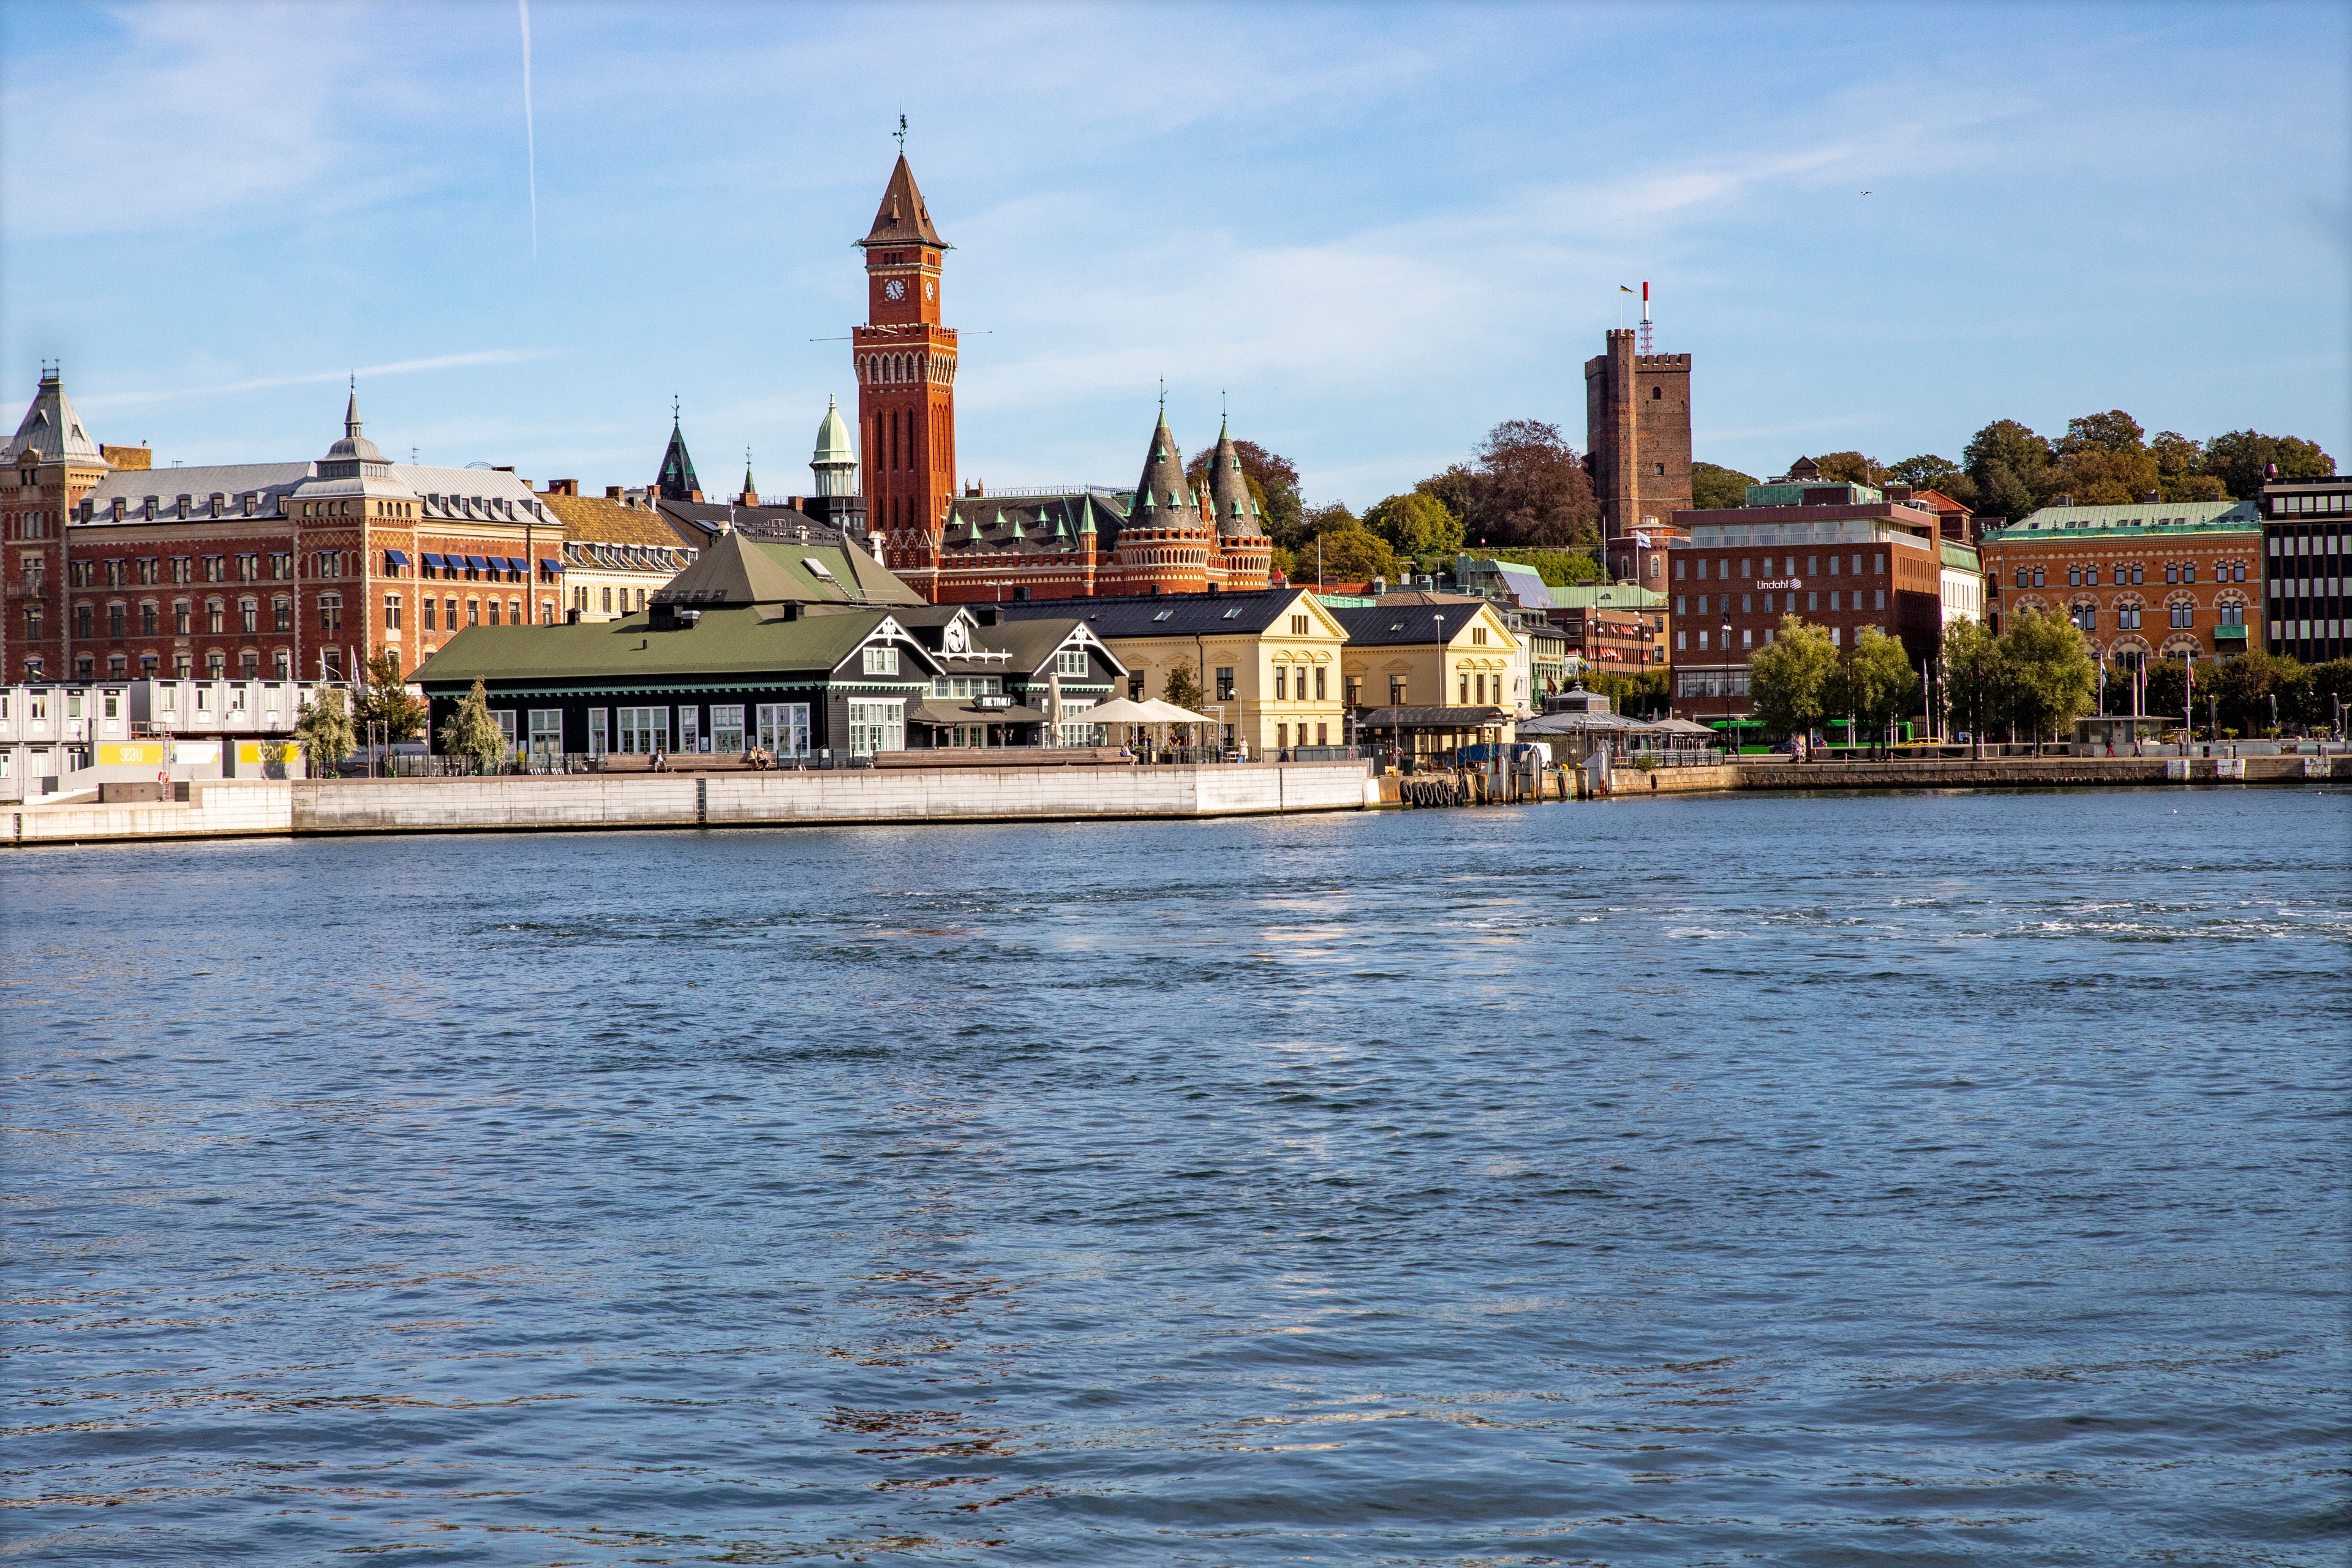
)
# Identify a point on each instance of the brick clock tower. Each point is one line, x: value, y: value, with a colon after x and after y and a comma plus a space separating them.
x: 906, y: 366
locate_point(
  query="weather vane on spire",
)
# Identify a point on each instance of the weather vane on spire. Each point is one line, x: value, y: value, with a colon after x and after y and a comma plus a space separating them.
x: 1163, y: 395
x: 901, y: 133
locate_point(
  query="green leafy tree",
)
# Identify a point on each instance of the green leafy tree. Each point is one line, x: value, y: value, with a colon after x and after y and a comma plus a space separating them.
x: 325, y: 732
x: 1350, y: 556
x: 1415, y: 524
x: 1643, y: 694
x: 2052, y: 674
x: 1559, y: 567
x: 2247, y: 684
x: 1327, y: 518
x: 1975, y: 680
x: 1878, y: 684
x: 2103, y: 461
x: 1850, y: 466
x: 1787, y: 676
x: 1182, y: 688
x: 1926, y: 472
x: 2009, y: 464
x: 384, y: 701
x: 2167, y: 679
x: 472, y: 733
x: 2322, y: 688
x: 2240, y: 459
x: 1717, y: 488
x: 1527, y: 488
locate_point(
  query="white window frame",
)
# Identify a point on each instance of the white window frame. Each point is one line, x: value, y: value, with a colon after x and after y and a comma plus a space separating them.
x: 727, y: 727
x: 876, y: 726
x: 642, y: 730
x: 784, y: 728
x: 546, y: 734
x: 882, y: 659
x: 600, y: 731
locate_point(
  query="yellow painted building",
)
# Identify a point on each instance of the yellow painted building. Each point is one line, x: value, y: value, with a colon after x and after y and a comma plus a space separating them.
x: 1424, y: 650
x: 1266, y: 662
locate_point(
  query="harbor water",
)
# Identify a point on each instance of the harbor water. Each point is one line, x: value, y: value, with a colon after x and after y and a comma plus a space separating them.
x: 1931, y: 1178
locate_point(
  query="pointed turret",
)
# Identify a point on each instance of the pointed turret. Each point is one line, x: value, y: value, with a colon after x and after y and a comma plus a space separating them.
x: 677, y: 481
x: 751, y: 496
x: 902, y: 219
x: 1229, y: 491
x: 1161, y: 499
x: 51, y: 428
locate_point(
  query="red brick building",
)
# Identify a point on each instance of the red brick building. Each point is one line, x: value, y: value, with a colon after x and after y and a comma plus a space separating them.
x: 1838, y: 555
x: 1163, y: 536
x: 1637, y: 439
x: 2168, y: 579
x: 276, y: 571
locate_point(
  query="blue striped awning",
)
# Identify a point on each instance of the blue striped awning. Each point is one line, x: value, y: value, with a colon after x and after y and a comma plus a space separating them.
x: 549, y: 563
x: 479, y: 564
x: 396, y: 557
x: 433, y: 561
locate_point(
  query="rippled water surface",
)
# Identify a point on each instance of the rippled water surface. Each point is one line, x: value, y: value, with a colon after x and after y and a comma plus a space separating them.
x: 1932, y: 1179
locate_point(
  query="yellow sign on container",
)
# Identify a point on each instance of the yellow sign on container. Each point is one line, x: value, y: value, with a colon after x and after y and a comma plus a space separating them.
x: 131, y: 753
x: 253, y: 754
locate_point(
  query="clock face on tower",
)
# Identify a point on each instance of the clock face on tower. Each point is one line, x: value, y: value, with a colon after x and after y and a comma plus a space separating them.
x: 929, y: 291
x: 896, y: 289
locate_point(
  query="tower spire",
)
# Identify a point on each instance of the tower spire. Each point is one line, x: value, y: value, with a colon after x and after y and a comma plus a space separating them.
x: 352, y: 409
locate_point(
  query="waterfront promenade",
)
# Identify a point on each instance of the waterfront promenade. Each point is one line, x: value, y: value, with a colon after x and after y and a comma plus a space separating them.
x: 235, y: 808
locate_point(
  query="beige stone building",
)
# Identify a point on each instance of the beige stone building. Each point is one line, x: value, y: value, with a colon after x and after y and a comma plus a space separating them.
x: 1267, y: 662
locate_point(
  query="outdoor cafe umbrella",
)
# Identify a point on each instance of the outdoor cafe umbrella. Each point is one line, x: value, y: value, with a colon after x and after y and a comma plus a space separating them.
x: 1166, y: 713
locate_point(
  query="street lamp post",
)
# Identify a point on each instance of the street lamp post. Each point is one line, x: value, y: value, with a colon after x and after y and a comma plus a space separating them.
x: 1730, y: 749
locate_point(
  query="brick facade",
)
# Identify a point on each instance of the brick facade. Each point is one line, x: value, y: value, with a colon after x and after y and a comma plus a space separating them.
x: 1637, y: 435
x: 2162, y: 579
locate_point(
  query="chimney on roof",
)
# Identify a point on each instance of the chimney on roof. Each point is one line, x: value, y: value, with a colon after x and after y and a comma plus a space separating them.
x: 2153, y: 496
x: 563, y: 487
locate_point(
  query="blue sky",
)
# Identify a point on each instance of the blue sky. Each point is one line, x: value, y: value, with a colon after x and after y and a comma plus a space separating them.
x: 1377, y: 230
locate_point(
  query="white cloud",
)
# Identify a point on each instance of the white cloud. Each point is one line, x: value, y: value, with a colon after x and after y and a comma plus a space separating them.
x: 311, y: 378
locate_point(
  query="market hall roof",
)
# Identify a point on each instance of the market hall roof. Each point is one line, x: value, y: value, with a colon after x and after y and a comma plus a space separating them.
x: 600, y: 520
x: 737, y: 570
x: 902, y: 219
x: 749, y: 641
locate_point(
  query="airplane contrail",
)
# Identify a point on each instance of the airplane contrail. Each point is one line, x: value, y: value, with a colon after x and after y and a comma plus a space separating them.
x: 530, y: 135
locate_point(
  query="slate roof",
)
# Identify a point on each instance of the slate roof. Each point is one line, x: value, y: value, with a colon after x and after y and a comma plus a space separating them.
x: 1162, y: 499
x: 459, y: 495
x: 1229, y: 496
x: 52, y: 428
x: 1395, y: 625
x: 1032, y: 525
x: 676, y: 482
x: 902, y: 219
x: 1606, y: 597
x: 748, y: 640
x: 1168, y: 614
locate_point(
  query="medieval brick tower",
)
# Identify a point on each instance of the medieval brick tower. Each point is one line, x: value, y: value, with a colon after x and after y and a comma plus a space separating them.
x: 906, y: 366
x: 1637, y: 435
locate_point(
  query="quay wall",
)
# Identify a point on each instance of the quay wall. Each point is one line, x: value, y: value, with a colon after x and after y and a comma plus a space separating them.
x: 593, y: 802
